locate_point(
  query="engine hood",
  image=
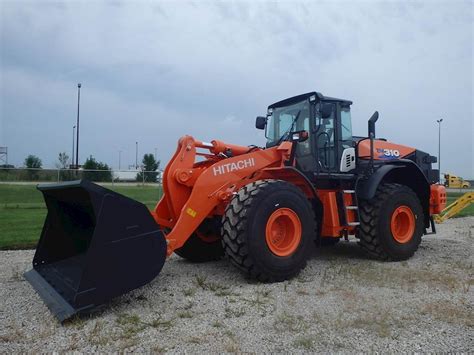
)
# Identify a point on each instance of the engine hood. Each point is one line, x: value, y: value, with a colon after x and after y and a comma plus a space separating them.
x: 383, y: 150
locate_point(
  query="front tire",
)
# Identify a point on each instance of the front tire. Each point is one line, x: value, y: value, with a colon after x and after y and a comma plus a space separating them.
x: 268, y: 230
x: 391, y: 223
x: 204, y: 244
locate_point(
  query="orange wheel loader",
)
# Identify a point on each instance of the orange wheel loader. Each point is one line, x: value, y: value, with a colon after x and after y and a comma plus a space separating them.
x: 262, y: 208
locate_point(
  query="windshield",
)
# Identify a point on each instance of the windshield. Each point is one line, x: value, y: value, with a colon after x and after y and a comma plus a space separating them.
x: 284, y: 120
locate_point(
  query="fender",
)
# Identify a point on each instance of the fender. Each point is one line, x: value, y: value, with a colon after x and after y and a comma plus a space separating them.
x: 402, y: 171
x: 367, y: 189
x: 295, y: 176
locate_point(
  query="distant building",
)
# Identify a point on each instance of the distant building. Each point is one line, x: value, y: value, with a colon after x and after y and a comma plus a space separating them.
x: 125, y: 176
x: 131, y: 175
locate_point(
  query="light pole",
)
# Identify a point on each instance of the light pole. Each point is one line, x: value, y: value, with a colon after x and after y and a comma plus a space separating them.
x: 156, y: 149
x: 136, y: 155
x: 77, y: 124
x: 73, y: 134
x: 439, y: 148
x: 120, y: 154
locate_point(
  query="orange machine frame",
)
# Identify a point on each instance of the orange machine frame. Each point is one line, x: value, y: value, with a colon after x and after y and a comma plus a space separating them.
x: 193, y: 191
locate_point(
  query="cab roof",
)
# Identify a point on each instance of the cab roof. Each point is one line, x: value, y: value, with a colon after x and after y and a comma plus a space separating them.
x: 298, y: 98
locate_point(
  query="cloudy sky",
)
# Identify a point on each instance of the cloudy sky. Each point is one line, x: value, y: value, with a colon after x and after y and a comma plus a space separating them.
x: 153, y: 71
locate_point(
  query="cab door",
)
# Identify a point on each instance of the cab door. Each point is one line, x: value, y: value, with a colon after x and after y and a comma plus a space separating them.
x: 326, y: 138
x: 305, y: 161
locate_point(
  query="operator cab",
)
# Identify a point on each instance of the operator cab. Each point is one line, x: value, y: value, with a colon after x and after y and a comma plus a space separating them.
x: 330, y: 146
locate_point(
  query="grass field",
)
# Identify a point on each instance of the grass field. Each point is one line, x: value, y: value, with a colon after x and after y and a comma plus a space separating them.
x: 22, y: 211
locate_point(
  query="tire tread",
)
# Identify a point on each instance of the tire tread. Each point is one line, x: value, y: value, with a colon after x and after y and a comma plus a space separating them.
x: 369, y: 215
x: 234, y: 224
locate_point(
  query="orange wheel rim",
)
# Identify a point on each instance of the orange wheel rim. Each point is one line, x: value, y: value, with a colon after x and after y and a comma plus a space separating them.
x: 402, y: 224
x: 283, y: 232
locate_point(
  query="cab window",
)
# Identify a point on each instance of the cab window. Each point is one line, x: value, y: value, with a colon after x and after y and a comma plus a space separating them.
x: 303, y: 148
x: 326, y: 142
x: 285, y: 119
x: 346, y: 127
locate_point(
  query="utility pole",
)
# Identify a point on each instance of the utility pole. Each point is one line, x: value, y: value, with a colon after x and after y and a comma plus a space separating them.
x: 156, y: 150
x: 439, y: 148
x: 136, y: 155
x: 120, y: 153
x: 73, y: 134
x: 77, y: 124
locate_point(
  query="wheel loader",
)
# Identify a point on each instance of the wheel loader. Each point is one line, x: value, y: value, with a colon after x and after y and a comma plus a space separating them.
x: 264, y: 208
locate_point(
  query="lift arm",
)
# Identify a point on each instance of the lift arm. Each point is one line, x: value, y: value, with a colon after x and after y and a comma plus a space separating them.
x: 194, y: 190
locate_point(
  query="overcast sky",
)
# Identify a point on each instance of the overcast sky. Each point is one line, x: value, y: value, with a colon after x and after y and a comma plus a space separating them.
x: 154, y: 71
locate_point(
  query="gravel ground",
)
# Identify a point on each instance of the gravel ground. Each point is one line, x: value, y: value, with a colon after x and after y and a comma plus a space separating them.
x: 341, y: 302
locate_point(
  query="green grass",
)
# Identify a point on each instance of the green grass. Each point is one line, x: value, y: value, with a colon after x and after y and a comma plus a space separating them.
x: 20, y: 228
x: 22, y: 211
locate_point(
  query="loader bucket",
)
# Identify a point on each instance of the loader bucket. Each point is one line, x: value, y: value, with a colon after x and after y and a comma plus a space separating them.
x: 96, y: 244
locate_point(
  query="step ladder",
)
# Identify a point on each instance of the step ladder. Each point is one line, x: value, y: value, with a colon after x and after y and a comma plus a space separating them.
x: 346, y: 208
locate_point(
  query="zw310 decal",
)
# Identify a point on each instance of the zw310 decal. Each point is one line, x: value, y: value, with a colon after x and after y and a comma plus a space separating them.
x: 388, y: 153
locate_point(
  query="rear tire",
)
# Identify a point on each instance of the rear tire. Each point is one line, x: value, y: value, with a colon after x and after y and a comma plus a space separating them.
x: 204, y: 244
x: 268, y: 230
x: 391, y: 223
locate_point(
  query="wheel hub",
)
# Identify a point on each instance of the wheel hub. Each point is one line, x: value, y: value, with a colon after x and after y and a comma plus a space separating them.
x: 402, y: 224
x: 283, y: 232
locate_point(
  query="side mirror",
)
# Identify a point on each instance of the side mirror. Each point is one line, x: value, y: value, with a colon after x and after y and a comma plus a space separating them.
x: 260, y: 122
x: 299, y: 136
x: 326, y: 110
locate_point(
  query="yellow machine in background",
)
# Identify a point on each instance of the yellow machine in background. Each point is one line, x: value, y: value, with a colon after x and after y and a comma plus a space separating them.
x: 455, y: 207
x: 453, y: 181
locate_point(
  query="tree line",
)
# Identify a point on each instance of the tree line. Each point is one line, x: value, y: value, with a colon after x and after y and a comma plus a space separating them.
x: 91, y: 169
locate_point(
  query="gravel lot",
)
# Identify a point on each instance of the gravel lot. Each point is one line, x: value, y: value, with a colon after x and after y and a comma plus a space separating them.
x: 342, y: 301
